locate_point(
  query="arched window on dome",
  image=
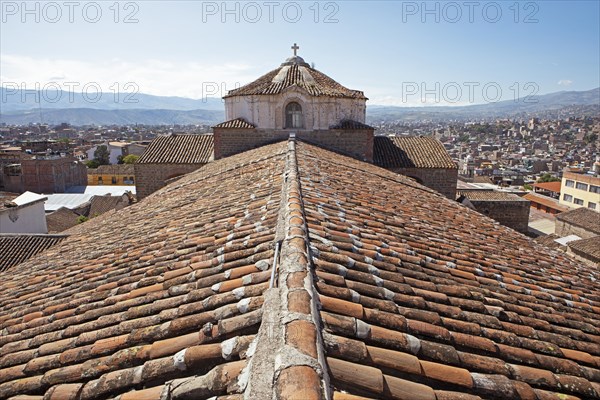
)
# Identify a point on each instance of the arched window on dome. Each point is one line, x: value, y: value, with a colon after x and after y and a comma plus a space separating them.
x: 293, y: 116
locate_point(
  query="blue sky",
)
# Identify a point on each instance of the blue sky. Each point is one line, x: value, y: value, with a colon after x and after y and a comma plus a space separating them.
x: 398, y: 52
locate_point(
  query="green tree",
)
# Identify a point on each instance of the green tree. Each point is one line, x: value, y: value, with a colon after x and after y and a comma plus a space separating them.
x: 590, y: 138
x: 102, y: 155
x: 547, y: 178
x: 82, y: 219
x: 130, y: 159
x: 92, y: 164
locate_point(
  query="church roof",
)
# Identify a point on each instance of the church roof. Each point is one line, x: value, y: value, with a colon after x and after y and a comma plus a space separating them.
x: 384, y: 289
x: 179, y: 149
x: 411, y: 152
x: 295, y: 72
x: 238, y: 123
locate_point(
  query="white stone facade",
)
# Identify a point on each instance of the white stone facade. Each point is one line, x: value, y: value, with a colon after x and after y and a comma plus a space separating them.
x: 319, y: 112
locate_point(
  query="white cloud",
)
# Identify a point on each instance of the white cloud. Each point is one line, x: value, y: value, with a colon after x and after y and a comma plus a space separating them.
x: 152, y: 76
x: 565, y: 82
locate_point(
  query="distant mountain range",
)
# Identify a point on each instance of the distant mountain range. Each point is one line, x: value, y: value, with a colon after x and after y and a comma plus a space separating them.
x: 54, y: 107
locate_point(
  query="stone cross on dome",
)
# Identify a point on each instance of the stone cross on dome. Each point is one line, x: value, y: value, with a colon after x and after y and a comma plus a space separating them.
x: 295, y: 47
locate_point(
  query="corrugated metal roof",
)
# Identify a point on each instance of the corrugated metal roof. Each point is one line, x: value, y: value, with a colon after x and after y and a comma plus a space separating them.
x: 411, y: 152
x: 67, y: 200
x: 179, y: 149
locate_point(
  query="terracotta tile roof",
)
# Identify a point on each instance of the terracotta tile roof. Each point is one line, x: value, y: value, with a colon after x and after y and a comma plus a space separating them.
x: 169, y: 288
x: 411, y: 152
x: 551, y: 186
x: 61, y: 220
x: 545, y: 201
x: 101, y: 204
x: 548, y: 240
x: 238, y: 123
x: 583, y: 218
x: 383, y: 290
x: 18, y: 248
x: 179, y: 149
x: 589, y: 247
x: 421, y: 298
x: 350, y: 124
x: 114, y: 169
x: 489, y: 195
x: 314, y: 82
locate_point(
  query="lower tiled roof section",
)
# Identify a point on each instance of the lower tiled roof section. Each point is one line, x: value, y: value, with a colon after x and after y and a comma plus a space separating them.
x: 589, y: 248
x: 164, y: 296
x: 349, y: 124
x: 583, y: 218
x: 489, y: 195
x: 425, y: 299
x: 238, y: 123
x: 179, y: 149
x: 61, y: 220
x: 411, y: 152
x: 18, y: 248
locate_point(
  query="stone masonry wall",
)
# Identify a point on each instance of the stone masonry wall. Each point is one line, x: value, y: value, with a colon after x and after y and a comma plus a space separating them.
x: 514, y: 214
x: 355, y: 143
x: 151, y: 177
x: 562, y: 229
x: 47, y: 176
x: 442, y: 180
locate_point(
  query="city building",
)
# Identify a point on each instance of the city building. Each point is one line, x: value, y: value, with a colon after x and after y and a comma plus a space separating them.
x: 580, y: 190
x: 117, y: 174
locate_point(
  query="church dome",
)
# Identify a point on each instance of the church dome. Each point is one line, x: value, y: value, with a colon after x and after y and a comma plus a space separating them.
x: 294, y: 71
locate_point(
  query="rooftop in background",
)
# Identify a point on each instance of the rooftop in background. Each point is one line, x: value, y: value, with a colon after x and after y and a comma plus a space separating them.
x: 411, y: 152
x: 179, y: 149
x: 583, y: 218
x: 550, y: 186
x: 489, y: 195
x: 113, y: 169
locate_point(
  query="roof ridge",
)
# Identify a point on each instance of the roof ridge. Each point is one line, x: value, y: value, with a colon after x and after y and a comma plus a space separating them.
x: 289, y: 339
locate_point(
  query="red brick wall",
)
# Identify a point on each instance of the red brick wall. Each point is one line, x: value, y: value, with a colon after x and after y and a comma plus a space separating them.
x: 442, y: 180
x: 151, y: 177
x: 355, y: 143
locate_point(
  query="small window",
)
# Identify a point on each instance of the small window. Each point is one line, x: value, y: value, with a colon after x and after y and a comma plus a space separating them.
x: 579, y: 202
x: 293, y: 116
x: 114, y: 180
x: 567, y: 197
x: 569, y: 183
x: 591, y: 206
x: 594, y: 189
x: 581, y: 186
